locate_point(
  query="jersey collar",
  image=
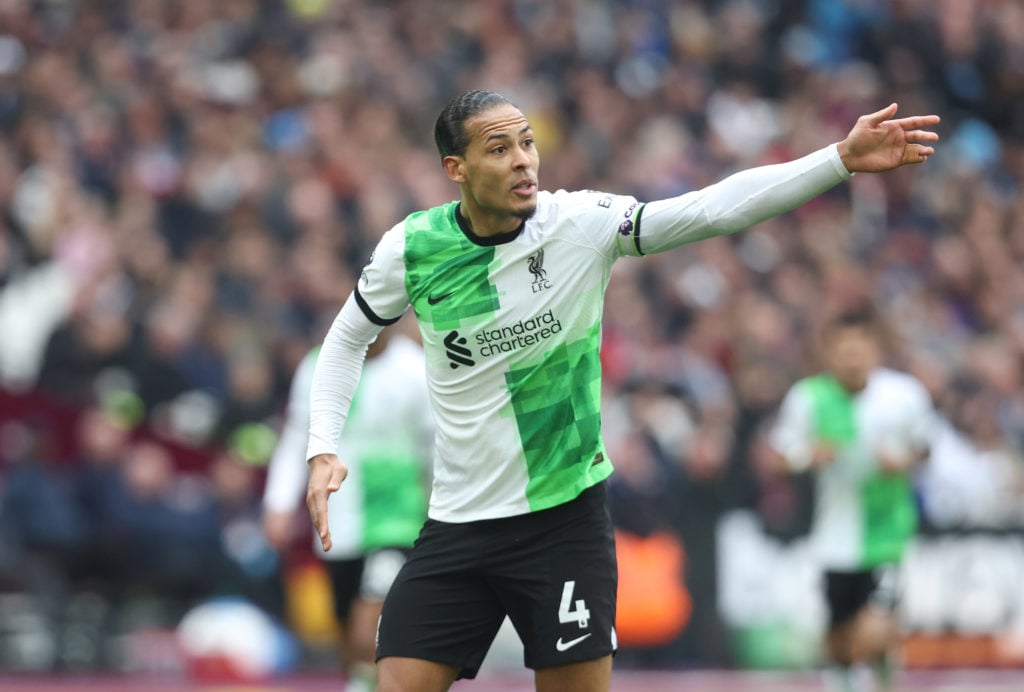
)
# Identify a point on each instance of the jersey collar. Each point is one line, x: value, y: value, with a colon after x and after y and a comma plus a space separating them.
x: 500, y: 239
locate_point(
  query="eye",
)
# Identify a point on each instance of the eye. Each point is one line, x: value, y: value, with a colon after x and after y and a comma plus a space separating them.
x: 528, y: 143
x: 500, y: 149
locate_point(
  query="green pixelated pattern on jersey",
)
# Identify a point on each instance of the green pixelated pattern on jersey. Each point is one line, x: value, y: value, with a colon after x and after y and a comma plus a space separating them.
x: 888, y: 516
x: 446, y: 274
x: 560, y: 427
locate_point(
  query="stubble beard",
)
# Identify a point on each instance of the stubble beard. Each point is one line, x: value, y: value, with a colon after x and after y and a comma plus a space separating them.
x: 525, y: 214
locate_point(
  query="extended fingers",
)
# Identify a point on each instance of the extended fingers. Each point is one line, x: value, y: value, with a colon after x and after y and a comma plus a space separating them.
x: 878, y: 117
x: 917, y: 153
x: 918, y: 121
x: 317, y: 503
x: 921, y: 136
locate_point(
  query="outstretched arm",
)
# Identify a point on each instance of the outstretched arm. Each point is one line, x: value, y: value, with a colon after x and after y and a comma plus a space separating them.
x: 877, y: 143
x: 749, y: 197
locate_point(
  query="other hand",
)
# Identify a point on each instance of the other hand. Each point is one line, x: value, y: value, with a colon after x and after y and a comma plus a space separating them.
x: 279, y: 529
x: 326, y: 473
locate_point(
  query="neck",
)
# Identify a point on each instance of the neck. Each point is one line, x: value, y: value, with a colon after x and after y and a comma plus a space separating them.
x: 487, y: 224
x: 493, y: 237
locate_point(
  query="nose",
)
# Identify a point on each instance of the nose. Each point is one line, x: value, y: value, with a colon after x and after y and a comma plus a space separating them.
x: 521, y: 159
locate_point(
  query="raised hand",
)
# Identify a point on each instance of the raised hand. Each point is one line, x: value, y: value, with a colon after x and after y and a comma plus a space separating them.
x: 326, y: 473
x: 877, y: 143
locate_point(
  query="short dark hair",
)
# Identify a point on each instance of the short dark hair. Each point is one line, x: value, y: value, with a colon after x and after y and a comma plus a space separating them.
x: 857, y: 317
x: 450, y: 128
x: 863, y: 318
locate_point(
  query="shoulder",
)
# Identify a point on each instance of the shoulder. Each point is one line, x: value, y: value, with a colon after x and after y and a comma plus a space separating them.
x: 600, y: 216
x: 436, y: 218
x: 581, y: 201
x: 805, y: 385
x: 897, y: 381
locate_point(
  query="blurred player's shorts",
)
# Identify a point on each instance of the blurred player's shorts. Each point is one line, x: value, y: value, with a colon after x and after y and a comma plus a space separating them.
x: 379, y: 573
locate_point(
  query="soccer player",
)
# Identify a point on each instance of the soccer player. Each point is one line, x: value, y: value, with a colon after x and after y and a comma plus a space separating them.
x: 507, y: 285
x: 379, y: 511
x: 861, y: 428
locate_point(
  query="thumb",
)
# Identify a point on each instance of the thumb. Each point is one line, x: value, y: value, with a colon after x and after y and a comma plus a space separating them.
x: 878, y: 117
x: 338, y: 475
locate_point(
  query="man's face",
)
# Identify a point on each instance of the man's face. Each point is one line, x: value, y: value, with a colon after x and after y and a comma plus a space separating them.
x: 852, y: 353
x: 499, y: 170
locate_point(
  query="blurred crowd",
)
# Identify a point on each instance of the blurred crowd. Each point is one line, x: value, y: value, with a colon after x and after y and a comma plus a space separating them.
x: 188, y: 190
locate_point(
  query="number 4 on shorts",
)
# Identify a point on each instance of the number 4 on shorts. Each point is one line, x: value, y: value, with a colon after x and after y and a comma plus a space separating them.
x: 565, y: 612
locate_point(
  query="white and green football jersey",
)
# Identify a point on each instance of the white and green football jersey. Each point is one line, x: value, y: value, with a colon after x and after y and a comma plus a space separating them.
x: 511, y: 328
x: 863, y: 516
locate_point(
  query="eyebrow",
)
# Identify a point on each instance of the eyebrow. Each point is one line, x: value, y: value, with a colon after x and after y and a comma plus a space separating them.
x: 502, y: 135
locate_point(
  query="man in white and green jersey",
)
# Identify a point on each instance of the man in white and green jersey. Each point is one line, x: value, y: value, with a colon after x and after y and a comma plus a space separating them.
x: 507, y: 285
x: 380, y: 509
x: 862, y: 429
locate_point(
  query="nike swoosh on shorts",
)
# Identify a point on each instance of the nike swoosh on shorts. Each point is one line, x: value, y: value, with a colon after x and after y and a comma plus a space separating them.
x: 565, y: 646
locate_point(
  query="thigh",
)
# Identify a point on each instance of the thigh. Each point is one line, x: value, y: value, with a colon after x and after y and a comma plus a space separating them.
x: 558, y: 583
x: 588, y: 676
x: 440, y: 608
x: 396, y: 674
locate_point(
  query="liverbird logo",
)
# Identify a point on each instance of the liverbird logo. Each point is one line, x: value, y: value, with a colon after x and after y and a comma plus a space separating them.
x: 540, y: 275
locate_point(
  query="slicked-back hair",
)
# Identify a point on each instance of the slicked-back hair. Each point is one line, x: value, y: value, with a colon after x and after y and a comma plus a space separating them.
x: 450, y: 128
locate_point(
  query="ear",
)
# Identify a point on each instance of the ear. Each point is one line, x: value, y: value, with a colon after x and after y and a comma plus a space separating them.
x: 453, y: 166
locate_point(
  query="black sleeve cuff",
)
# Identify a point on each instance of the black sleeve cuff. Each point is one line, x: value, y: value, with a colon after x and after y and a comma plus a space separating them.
x: 636, y: 229
x: 370, y: 314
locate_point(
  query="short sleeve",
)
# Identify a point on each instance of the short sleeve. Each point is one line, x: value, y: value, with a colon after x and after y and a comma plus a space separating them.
x: 380, y: 291
x: 609, y: 222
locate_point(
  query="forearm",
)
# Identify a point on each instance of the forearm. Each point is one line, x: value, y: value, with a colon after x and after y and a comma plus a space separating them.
x: 740, y: 201
x: 336, y: 376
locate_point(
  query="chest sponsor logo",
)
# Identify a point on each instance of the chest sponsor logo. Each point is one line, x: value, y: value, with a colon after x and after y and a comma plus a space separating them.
x: 520, y: 335
x: 455, y: 349
x: 540, y: 274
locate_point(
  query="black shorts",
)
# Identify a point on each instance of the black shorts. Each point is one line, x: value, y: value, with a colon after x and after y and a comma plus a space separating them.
x: 552, y: 572
x: 847, y: 593
x: 346, y: 577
